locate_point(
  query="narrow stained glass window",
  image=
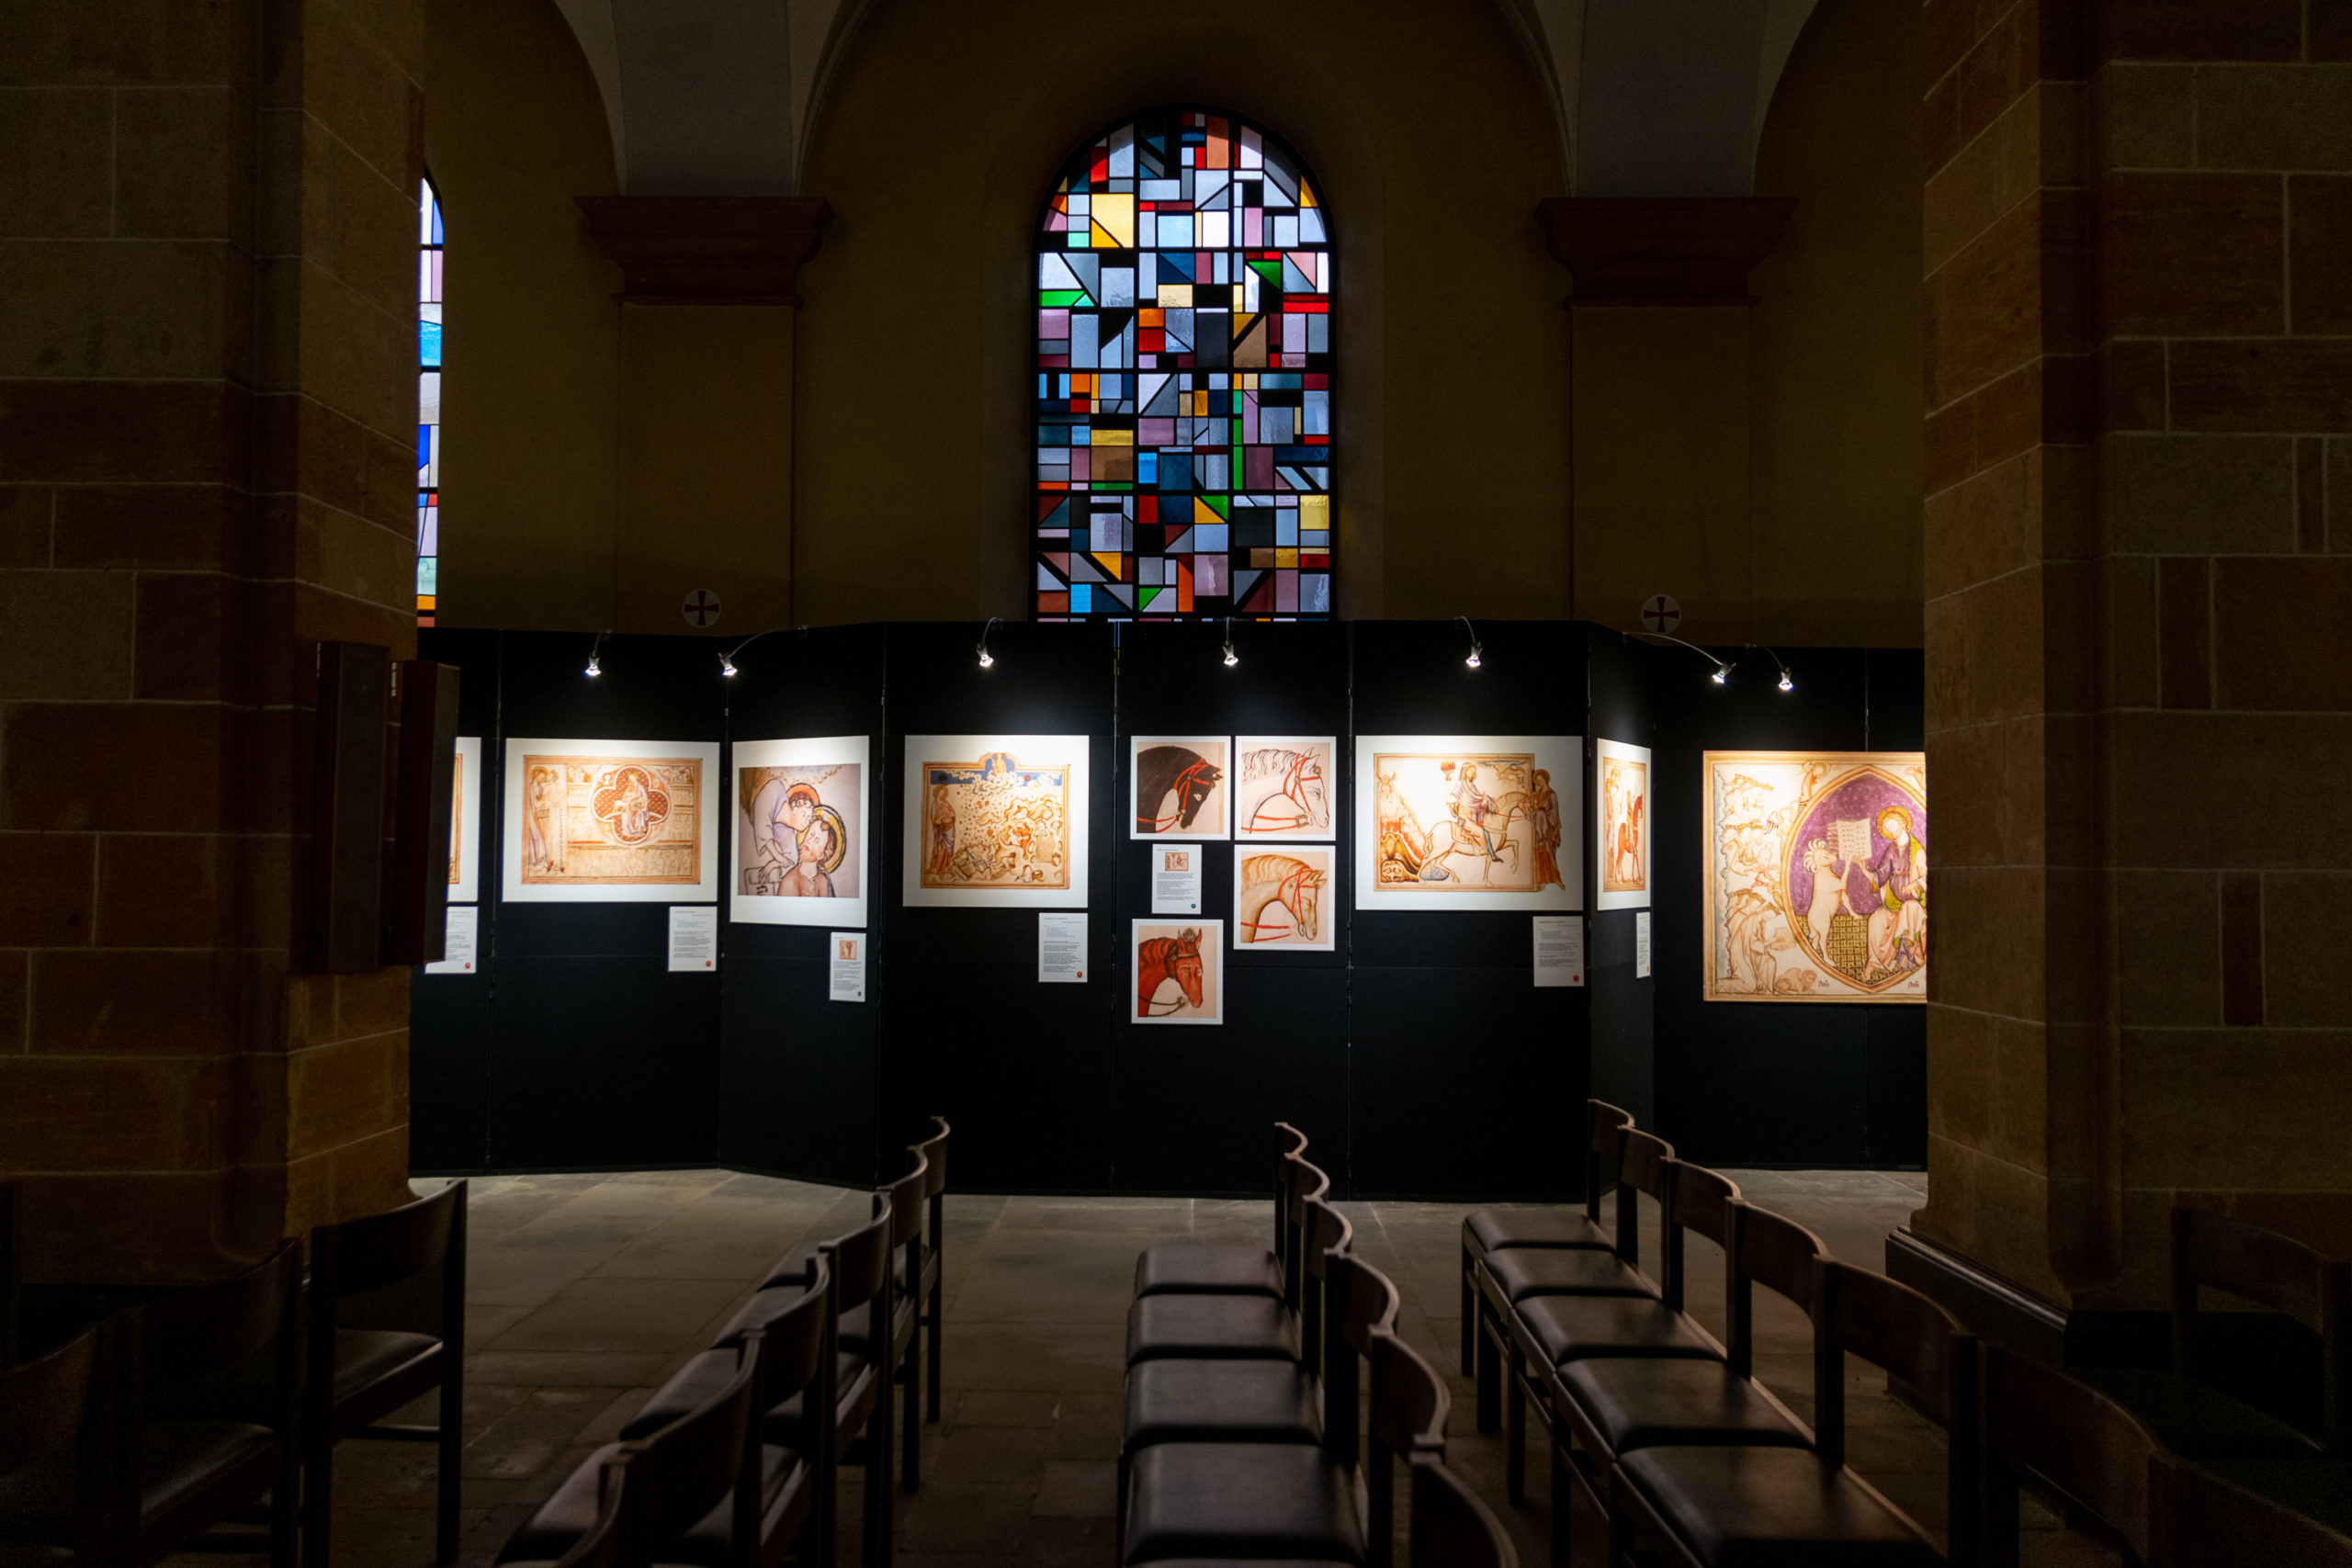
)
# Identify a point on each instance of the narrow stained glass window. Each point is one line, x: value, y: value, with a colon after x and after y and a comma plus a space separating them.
x: 428, y: 403
x: 1183, y: 379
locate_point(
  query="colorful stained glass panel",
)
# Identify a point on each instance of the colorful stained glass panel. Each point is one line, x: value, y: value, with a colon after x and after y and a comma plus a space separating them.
x: 428, y: 402
x: 1183, y: 419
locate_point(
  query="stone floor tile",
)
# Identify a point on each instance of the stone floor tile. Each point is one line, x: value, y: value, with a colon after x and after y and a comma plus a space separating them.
x: 967, y: 1516
x: 1078, y: 1488
x: 623, y: 1315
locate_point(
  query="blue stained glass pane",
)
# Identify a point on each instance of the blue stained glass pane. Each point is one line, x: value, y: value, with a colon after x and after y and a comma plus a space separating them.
x: 428, y: 575
x: 428, y: 344
x: 1080, y: 597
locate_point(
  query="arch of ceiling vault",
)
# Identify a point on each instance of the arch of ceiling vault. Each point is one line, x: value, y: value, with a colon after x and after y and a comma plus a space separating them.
x: 1653, y: 97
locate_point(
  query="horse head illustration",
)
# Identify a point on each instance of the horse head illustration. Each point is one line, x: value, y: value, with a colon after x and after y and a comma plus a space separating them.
x: 1162, y: 771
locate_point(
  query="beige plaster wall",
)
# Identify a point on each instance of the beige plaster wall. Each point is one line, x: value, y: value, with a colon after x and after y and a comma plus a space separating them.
x: 514, y: 132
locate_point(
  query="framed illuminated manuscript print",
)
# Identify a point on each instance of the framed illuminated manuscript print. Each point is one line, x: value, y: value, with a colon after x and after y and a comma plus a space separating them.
x: 1179, y: 970
x: 799, y: 854
x: 1468, y: 822
x: 1620, y: 806
x: 1284, y: 786
x: 465, y: 822
x: 1180, y: 784
x: 610, y: 821
x: 1817, y: 874
x: 1282, y: 898
x: 996, y: 821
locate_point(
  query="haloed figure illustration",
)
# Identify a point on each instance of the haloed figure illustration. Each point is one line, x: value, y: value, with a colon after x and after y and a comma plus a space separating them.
x: 780, y: 814
x: 816, y: 848
x: 1897, y: 873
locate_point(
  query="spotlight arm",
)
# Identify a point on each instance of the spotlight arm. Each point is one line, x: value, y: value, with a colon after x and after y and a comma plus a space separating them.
x: 981, y: 648
x: 1478, y: 648
x: 1231, y: 658
x: 1723, y: 667
x: 595, y: 649
x: 727, y: 655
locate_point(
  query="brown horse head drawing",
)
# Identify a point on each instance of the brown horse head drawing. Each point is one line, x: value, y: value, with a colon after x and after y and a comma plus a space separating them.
x: 1162, y: 958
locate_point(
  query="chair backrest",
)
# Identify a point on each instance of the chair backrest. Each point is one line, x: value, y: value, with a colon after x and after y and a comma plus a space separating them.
x: 2203, y: 1521
x: 615, y: 1539
x: 1766, y: 1249
x: 1895, y: 1328
x: 1359, y: 1304
x: 194, y: 1332
x: 794, y: 1353
x: 1302, y: 1181
x: 2043, y: 1424
x: 1364, y: 1302
x: 46, y: 1404
x: 687, y: 1467
x: 1697, y: 1199
x: 1409, y: 1406
x: 905, y: 1197
x: 1452, y: 1527
x: 1642, y: 1160
x: 2281, y: 1273
x: 1327, y: 1232
x: 861, y: 1259
x: 1604, y: 1126
x: 382, y: 1249
x: 933, y: 1149
x: 11, y: 1270
x: 1289, y: 1144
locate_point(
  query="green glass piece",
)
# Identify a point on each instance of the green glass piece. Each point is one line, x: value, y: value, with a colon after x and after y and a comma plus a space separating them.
x: 1055, y: 298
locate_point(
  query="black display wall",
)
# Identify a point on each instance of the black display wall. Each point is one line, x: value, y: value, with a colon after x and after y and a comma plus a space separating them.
x: 1419, y: 1054
x: 1775, y: 1083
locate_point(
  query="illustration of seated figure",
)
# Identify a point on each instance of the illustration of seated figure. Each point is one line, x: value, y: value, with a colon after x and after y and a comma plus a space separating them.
x: 807, y: 879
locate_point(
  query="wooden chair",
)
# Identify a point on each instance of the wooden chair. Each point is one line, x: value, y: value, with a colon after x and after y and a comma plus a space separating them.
x: 1290, y: 1501
x: 1513, y: 1274
x: 2198, y: 1421
x: 2043, y: 1425
x: 1452, y: 1527
x: 1175, y: 1267
x: 615, y: 1539
x: 1491, y: 1230
x: 904, y: 1352
x: 1239, y: 1326
x: 1546, y: 1333
x: 55, y: 1438
x: 2205, y: 1520
x: 11, y: 1272
x: 1698, y: 1504
x: 779, y: 1499
x: 929, y: 1289
x: 386, y: 1356
x: 1173, y: 1399
x: 1604, y: 1407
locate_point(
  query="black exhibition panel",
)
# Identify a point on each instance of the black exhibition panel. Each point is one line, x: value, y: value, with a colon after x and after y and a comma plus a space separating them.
x: 600, y: 1059
x: 1774, y: 1083
x: 1195, y: 1101
x: 1468, y: 1080
x: 1022, y: 1070
x: 800, y: 1075
x: 449, y: 1033
x: 1624, y: 1066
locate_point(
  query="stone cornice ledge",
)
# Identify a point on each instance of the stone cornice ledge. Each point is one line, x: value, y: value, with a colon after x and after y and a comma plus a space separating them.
x: 707, y: 250
x: 1662, y: 250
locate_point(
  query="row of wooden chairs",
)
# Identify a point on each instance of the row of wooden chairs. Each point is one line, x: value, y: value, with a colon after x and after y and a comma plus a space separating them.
x: 735, y: 1462
x: 1245, y: 1433
x: 165, y: 1426
x: 1661, y: 1430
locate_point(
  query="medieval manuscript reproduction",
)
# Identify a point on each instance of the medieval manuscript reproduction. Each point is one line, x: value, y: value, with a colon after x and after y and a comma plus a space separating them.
x: 1621, y: 800
x: 1817, y: 876
x: 996, y: 820
x: 1179, y: 970
x: 1180, y: 784
x: 1284, y: 786
x: 1471, y: 822
x: 610, y: 821
x: 799, y: 839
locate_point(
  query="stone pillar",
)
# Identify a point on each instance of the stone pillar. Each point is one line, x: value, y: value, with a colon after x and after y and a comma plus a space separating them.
x: 206, y: 418
x: 2139, y: 578
x: 1661, y: 411
x: 705, y: 402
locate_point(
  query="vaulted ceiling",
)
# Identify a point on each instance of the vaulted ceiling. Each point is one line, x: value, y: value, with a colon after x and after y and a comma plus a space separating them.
x: 1655, y: 97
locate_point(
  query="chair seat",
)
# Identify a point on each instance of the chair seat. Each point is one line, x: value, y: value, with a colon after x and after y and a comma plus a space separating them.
x: 1227, y: 1500
x: 1572, y: 1328
x: 2320, y: 1489
x: 1201, y: 1267
x: 1239, y: 1328
x: 570, y: 1512
x: 175, y: 1460
x: 1181, y: 1401
x: 1495, y: 1229
x: 2198, y: 1421
x: 365, y: 1356
x: 852, y: 1336
x: 854, y: 1389
x: 1639, y: 1401
x: 1772, y: 1507
x: 1524, y: 1271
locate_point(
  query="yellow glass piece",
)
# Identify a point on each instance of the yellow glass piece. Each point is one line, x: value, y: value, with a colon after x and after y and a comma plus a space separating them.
x: 1176, y: 295
x: 1203, y: 514
x: 1115, y: 438
x: 1154, y: 318
x: 1315, y: 512
x: 1306, y: 194
x: 1117, y: 214
x: 1250, y: 383
x: 1109, y: 563
x: 1286, y: 555
x: 1100, y: 238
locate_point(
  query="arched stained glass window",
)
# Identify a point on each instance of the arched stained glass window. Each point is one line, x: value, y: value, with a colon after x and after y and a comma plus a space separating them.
x: 428, y: 403
x: 1184, y: 377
